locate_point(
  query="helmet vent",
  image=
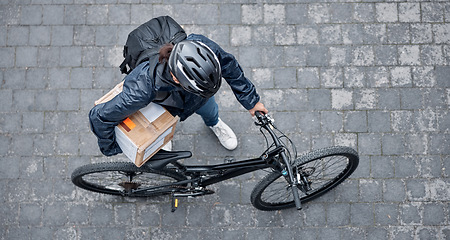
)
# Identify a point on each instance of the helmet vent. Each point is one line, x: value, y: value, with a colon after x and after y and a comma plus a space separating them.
x: 186, y: 72
x: 199, y: 75
x: 191, y: 59
x: 201, y: 54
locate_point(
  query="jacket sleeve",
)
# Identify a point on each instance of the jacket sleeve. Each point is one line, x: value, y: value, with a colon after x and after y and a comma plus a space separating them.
x: 137, y: 93
x: 243, y: 88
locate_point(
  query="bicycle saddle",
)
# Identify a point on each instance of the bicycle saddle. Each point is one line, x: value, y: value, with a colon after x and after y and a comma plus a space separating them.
x: 162, y: 158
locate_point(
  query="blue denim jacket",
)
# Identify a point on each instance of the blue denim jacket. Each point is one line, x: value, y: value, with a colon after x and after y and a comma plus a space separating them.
x: 148, y: 80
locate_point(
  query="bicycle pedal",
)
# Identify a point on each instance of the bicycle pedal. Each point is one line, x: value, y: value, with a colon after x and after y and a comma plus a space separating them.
x: 175, y: 203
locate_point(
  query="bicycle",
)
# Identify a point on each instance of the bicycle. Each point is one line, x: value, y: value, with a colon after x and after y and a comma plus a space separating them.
x: 291, y: 181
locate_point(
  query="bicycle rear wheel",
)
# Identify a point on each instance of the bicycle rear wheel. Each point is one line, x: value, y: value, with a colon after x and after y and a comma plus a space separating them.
x: 125, y: 179
x: 323, y: 170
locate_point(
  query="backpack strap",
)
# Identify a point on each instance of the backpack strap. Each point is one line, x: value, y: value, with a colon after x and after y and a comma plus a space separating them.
x: 145, y: 55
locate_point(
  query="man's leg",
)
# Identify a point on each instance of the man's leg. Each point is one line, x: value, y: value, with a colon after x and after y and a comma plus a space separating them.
x: 209, y: 112
x: 210, y: 115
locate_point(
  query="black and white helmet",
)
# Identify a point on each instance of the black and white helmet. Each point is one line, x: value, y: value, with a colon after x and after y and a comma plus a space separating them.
x: 196, y: 67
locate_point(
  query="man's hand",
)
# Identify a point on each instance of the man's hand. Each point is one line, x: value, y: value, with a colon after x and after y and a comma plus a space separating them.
x: 258, y: 107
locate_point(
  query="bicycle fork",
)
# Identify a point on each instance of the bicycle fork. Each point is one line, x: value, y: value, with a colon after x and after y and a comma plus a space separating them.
x: 293, y: 181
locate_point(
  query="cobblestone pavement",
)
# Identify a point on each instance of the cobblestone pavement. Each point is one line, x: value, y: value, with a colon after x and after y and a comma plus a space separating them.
x: 373, y: 75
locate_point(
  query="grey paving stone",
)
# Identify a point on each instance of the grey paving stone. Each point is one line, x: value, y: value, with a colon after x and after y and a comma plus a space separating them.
x: 285, y: 78
x: 421, y: 33
x: 434, y: 214
x: 307, y: 35
x: 385, y: 55
x: 9, y: 56
x: 75, y: 14
x: 6, y: 97
x: 386, y: 214
x: 338, y: 215
x: 319, y: 13
x: 30, y: 214
x: 316, y: 56
x: 409, y: 55
x: 332, y: 77
x: 315, y: 214
x: 330, y: 34
x: 339, y: 56
x: 17, y: 35
x: 382, y: 167
x: 441, y: 76
x: 53, y: 15
x: 393, y: 144
x: 230, y: 13
x: 68, y: 100
x: 308, y: 77
x: 40, y: 36
x: 361, y: 214
x: 398, y: 33
x: 386, y: 12
x: 5, y: 143
x: 355, y: 121
x: 297, y: 14
x: 432, y: 12
x: 331, y: 121
x: 106, y: 35
x: 83, y: 35
x: 375, y: 34
x: 26, y: 57
x: 342, y: 13
x: 416, y: 190
x: 14, y: 78
x: 67, y: 144
x: 394, y: 190
x: 31, y: 15
x: 320, y: 99
x: 410, y: 214
x: 364, y: 12
x: 409, y: 12
x: 352, y: 33
x: 55, y: 214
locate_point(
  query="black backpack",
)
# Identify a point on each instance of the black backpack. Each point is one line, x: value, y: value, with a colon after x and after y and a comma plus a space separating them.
x: 146, y: 40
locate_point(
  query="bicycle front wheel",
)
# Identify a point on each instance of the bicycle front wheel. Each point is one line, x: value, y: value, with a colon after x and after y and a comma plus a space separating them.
x: 322, y: 170
x: 126, y: 179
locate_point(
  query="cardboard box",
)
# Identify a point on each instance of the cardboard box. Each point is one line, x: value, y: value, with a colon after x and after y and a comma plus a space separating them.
x: 145, y: 132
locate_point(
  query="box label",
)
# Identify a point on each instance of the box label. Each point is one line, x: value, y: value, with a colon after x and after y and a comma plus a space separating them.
x: 128, y: 125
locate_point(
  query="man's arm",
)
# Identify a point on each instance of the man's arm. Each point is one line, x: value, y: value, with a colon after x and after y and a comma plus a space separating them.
x: 243, y: 88
x: 137, y: 93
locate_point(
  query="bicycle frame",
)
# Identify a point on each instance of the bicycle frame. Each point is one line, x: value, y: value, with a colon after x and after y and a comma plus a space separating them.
x: 226, y: 171
x: 204, y: 175
x: 222, y: 172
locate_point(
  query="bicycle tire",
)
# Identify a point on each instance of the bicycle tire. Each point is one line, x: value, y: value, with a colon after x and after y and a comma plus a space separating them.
x: 274, y: 193
x: 121, y: 178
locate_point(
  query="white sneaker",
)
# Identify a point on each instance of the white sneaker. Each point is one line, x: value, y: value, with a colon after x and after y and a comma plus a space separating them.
x: 168, y: 146
x: 225, y: 135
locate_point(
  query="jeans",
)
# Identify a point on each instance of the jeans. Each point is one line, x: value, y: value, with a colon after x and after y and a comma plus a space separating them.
x: 209, y: 112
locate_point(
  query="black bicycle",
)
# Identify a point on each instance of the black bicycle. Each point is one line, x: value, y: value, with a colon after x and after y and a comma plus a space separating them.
x: 291, y: 180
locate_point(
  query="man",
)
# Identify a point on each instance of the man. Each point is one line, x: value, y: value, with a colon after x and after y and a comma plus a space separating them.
x: 183, y: 80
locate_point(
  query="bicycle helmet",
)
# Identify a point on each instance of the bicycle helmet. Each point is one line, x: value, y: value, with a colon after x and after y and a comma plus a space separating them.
x: 196, y: 67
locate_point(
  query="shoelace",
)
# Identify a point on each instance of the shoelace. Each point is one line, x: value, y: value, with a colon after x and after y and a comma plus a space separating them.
x: 221, y: 132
